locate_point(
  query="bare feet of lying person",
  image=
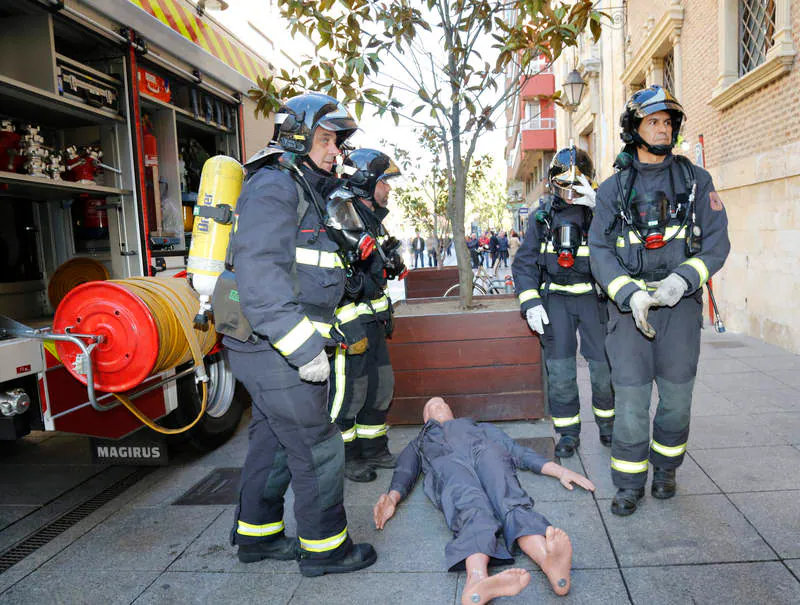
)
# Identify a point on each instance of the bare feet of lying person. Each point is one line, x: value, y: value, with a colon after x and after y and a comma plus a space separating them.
x: 553, y: 553
x: 481, y: 589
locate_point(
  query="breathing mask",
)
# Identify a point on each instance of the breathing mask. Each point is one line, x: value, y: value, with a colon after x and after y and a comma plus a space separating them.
x: 566, y: 241
x: 650, y: 215
x: 345, y: 227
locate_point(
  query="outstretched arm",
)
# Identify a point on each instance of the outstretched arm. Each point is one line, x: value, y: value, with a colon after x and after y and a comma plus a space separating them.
x: 566, y: 476
x: 384, y: 508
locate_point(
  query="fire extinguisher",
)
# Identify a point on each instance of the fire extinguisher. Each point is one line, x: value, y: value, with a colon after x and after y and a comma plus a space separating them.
x: 92, y: 218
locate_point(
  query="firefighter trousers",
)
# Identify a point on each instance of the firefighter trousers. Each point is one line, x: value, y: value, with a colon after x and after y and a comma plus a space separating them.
x: 361, y: 391
x: 586, y: 315
x: 481, y: 499
x: 670, y: 359
x: 291, y: 441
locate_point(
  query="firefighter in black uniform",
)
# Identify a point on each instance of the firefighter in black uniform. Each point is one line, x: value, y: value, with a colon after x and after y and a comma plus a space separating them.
x: 290, y: 279
x: 660, y: 232
x: 362, y: 385
x: 558, y: 297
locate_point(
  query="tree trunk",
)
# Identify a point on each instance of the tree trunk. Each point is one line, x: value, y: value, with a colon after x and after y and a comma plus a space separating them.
x: 465, y: 275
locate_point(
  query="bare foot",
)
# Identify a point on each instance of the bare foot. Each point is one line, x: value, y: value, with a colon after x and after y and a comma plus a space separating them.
x: 557, y: 561
x: 505, y: 584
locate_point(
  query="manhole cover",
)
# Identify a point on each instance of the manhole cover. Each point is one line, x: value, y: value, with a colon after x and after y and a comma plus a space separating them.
x: 541, y: 445
x: 726, y: 345
x: 220, y: 486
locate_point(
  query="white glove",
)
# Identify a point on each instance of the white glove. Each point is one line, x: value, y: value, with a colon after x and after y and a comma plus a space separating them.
x: 640, y: 302
x: 537, y: 318
x: 587, y: 192
x: 316, y: 370
x: 669, y: 290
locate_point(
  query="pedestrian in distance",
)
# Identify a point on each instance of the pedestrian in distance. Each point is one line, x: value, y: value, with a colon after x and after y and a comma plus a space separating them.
x: 432, y: 245
x: 660, y: 232
x: 418, y: 247
x: 471, y: 476
x: 558, y: 298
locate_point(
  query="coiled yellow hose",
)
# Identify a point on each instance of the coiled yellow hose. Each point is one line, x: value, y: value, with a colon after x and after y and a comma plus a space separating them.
x: 172, y: 303
x: 74, y: 272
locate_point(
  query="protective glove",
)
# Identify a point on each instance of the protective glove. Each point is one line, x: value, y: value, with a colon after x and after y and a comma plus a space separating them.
x: 640, y: 302
x: 537, y: 318
x: 316, y: 370
x: 587, y: 192
x: 669, y: 290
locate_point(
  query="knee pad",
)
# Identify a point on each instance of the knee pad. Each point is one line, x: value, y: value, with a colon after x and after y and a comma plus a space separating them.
x: 383, y: 396
x: 675, y: 402
x: 328, y: 457
x: 279, y: 477
x: 562, y: 379
x: 632, y: 413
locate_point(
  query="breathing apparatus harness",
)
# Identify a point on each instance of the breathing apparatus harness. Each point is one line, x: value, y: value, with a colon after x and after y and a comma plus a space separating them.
x: 649, y: 217
x: 565, y: 238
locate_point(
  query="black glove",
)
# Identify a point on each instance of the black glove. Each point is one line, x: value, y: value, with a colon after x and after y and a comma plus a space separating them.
x: 388, y: 324
x: 395, y: 267
x: 390, y: 246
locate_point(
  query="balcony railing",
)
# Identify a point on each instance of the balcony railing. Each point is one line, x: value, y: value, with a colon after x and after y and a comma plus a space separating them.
x: 538, y: 124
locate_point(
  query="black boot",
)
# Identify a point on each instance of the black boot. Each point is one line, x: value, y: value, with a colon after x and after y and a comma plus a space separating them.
x: 375, y: 452
x: 282, y: 549
x: 626, y: 500
x: 357, y: 557
x: 567, y: 445
x: 664, y: 483
x: 606, y: 431
x: 355, y: 468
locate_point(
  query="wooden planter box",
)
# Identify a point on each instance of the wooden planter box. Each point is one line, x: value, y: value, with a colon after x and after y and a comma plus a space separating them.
x: 486, y: 363
x: 430, y: 282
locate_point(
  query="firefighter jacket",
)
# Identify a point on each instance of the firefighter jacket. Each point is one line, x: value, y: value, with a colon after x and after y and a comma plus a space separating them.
x: 288, y: 273
x: 366, y: 301
x: 536, y: 269
x: 455, y: 440
x: 621, y: 263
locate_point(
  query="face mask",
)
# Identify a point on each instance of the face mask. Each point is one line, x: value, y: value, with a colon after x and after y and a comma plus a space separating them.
x: 650, y: 218
x: 346, y: 228
x: 566, y: 241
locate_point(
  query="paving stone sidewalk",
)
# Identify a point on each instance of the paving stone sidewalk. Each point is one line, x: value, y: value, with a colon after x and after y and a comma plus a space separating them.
x: 731, y: 536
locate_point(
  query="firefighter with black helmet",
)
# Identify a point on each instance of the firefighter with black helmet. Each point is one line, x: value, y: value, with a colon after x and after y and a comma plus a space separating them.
x: 660, y: 231
x: 557, y: 296
x: 290, y: 277
x: 362, y: 385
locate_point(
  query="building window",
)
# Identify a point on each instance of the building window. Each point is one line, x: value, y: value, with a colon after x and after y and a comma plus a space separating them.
x: 756, y: 32
x: 669, y: 71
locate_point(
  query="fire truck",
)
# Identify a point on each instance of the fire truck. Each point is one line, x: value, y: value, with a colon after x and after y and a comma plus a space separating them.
x: 108, y: 111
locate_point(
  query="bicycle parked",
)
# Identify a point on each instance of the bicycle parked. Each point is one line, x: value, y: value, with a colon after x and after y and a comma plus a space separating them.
x: 485, y: 282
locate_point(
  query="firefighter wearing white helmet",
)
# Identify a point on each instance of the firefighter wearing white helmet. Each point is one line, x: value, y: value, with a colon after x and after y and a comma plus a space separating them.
x: 558, y: 298
x: 659, y: 233
x: 289, y: 277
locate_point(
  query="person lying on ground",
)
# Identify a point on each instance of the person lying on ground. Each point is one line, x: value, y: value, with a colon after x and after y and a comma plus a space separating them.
x: 470, y: 475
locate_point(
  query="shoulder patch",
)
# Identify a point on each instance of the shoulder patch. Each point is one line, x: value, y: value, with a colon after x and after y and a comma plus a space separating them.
x: 715, y: 201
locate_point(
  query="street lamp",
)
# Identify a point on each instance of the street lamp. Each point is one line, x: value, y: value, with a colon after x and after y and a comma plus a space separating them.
x: 573, y: 91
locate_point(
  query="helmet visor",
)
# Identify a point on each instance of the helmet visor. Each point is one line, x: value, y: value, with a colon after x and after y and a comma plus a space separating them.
x: 338, y: 120
x: 563, y: 183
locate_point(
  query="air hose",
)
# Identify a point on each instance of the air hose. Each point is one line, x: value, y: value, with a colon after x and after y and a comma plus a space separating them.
x: 147, y: 328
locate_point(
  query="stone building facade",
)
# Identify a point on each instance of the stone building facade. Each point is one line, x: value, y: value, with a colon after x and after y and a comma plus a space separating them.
x: 732, y: 64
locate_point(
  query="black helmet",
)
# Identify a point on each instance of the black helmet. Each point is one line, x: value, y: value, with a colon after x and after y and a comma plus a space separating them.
x: 643, y: 103
x: 298, y: 118
x: 565, y: 168
x: 368, y: 166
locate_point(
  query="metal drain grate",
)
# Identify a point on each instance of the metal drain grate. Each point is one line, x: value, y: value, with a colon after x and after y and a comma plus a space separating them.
x: 34, y: 542
x: 220, y: 486
x: 541, y: 445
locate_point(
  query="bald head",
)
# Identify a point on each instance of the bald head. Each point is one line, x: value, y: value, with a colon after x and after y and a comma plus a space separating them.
x: 438, y: 410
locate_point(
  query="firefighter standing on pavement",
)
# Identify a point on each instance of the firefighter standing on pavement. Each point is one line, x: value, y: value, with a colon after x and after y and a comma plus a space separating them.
x: 290, y: 279
x: 362, y: 385
x: 558, y: 298
x: 659, y: 233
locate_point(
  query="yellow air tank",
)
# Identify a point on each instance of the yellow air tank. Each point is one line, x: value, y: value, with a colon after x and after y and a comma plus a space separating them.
x: 220, y: 185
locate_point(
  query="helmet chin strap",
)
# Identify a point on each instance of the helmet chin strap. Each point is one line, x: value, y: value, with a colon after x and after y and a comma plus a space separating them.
x: 654, y: 149
x: 316, y: 168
